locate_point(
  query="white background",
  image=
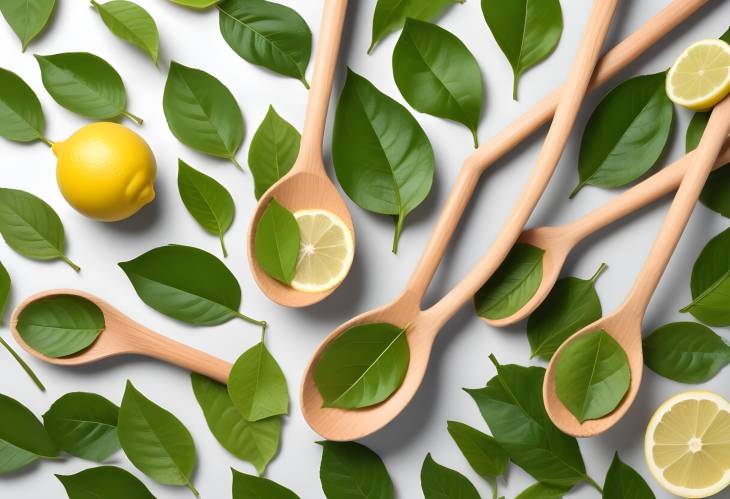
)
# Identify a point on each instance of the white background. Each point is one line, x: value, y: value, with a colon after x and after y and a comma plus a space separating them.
x: 460, y: 355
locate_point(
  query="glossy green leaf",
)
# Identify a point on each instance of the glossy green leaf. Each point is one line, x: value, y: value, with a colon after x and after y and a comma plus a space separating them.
x: 156, y: 442
x: 363, y: 366
x: 276, y: 244
x: 131, y: 23
x: 257, y: 385
x: 202, y: 113
x: 107, y: 482
x: 527, y: 31
x: 710, y: 283
x: 686, y: 352
x: 592, y: 375
x: 715, y: 194
x: 512, y: 406
x: 196, y: 4
x: 22, y: 437
x: 60, y: 325
x: 543, y: 491
x: 513, y: 284
x: 274, y: 148
x: 26, y: 18
x: 4, y: 291
x: 253, y: 487
x: 267, y: 34
x: 482, y: 451
x: 31, y: 227
x: 437, y: 74
x: 383, y: 158
x: 571, y: 305
x: 254, y: 442
x: 626, y: 133
x: 210, y: 204
x: 440, y: 482
x: 84, y: 425
x: 21, y: 116
x: 622, y: 482
x: 352, y: 471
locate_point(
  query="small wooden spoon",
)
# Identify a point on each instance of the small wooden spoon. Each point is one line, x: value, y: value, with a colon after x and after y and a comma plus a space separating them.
x: 307, y: 185
x: 558, y: 242
x: 123, y: 336
x: 624, y: 325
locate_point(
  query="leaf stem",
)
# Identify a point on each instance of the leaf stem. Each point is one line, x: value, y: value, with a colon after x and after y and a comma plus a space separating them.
x: 25, y: 366
x: 598, y: 273
x: 192, y: 488
x: 250, y: 320
x: 71, y: 264
x: 46, y: 141
x: 593, y: 484
x: 303, y: 79
x: 235, y: 163
x: 398, y: 230
x: 223, y: 245
x: 476, y: 139
x: 132, y: 117
x: 94, y: 4
x: 515, y: 82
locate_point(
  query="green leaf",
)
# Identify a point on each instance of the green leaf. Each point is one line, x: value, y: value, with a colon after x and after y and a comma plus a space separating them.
x: 383, y: 158
x: 352, y: 471
x: 196, y: 4
x: 710, y: 283
x: 512, y: 406
x: 276, y: 246
x: 257, y: 385
x: 85, y: 84
x: 60, y: 325
x: 254, y: 442
x: 22, y: 437
x: 131, y: 23
x: 4, y: 291
x: 626, y: 133
x: 155, y: 441
x: 390, y: 15
x: 21, y: 116
x: 31, y: 227
x: 440, y: 482
x: 482, y: 451
x: 202, y: 113
x: 274, y: 149
x: 32, y: 375
x: 695, y: 129
x: 210, y: 204
x: 254, y: 487
x: 84, y: 425
x: 513, y: 284
x: 363, y: 366
x: 622, y: 482
x: 717, y: 187
x: 267, y: 34
x: 108, y: 482
x: 27, y: 18
x: 543, y: 491
x: 437, y: 74
x: 686, y: 352
x: 571, y: 305
x: 527, y: 31
x: 592, y: 375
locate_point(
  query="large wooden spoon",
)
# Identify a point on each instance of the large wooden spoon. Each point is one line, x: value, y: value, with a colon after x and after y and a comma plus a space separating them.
x: 307, y: 185
x: 123, y: 336
x: 624, y: 325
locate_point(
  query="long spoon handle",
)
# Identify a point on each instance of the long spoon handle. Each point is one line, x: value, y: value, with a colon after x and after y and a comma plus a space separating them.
x: 681, y: 209
x: 609, y: 66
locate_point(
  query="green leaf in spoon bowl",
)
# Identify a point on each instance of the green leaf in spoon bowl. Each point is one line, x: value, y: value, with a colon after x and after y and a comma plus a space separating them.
x: 131, y: 23
x: 710, y: 283
x: 254, y: 487
x: 22, y: 437
x: 277, y: 240
x: 257, y: 385
x: 26, y: 18
x: 349, y: 469
x: 109, y: 482
x: 440, y: 482
x: 623, y: 482
x: 21, y: 116
x: 274, y: 149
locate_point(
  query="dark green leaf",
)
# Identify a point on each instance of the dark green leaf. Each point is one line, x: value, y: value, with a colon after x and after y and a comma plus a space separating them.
x: 21, y: 116
x: 22, y: 437
x: 543, y: 491
x: 710, y: 283
x: 715, y: 194
x: 60, y: 325
x: 626, y: 133
x: 686, y: 352
x: 592, y: 375
x: 363, y: 366
x: 254, y: 487
x: 440, y: 482
x: 274, y: 148
x: 84, y: 425
x: 526, y: 31
x: 512, y: 285
x: 481, y: 450
x: 352, y: 471
x: 438, y: 75
x: 255, y: 442
x: 695, y: 129
x: 512, y: 406
x: 107, y: 482
x: 257, y: 385
x: 622, y: 482
x: 27, y: 18
x: 210, y: 204
x: 267, y: 34
x: 4, y: 291
x: 382, y: 156
x: 276, y: 243
x: 132, y: 23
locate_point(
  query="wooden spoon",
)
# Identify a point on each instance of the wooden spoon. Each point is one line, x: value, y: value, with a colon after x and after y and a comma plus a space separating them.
x: 307, y: 185
x: 558, y: 242
x: 624, y: 325
x: 123, y: 336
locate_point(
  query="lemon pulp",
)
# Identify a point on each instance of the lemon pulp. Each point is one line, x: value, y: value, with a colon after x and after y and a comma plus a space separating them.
x: 701, y: 76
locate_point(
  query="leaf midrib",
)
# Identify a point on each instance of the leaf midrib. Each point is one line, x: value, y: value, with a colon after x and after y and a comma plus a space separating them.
x: 15, y: 112
x: 82, y: 82
x: 35, y: 231
x: 710, y: 289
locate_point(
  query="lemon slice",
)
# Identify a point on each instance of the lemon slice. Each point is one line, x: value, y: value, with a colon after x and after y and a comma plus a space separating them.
x: 687, y: 444
x: 701, y: 76
x: 326, y: 251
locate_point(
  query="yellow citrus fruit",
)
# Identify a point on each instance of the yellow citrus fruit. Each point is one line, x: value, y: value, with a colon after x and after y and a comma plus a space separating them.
x: 687, y: 444
x: 106, y: 171
x: 701, y: 76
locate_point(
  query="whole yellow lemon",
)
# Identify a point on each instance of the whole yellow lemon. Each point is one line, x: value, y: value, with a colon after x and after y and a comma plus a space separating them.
x: 106, y: 171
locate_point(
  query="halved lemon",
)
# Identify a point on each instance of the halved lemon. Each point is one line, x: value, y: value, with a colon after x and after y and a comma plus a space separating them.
x: 701, y: 76
x: 326, y: 251
x: 687, y: 444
